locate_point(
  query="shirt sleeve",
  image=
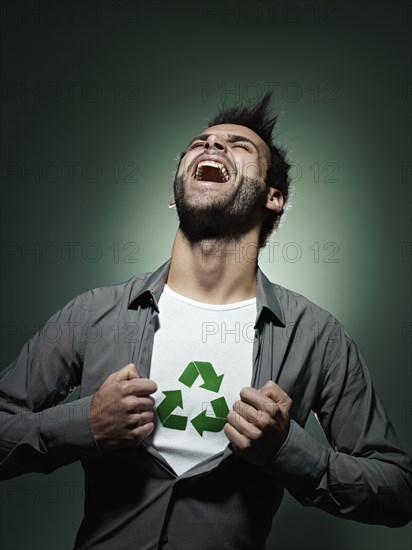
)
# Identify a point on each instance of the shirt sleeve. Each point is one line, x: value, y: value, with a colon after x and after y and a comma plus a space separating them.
x: 365, y: 475
x: 38, y: 432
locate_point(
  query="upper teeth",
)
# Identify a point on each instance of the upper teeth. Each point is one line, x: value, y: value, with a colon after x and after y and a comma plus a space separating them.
x: 214, y: 164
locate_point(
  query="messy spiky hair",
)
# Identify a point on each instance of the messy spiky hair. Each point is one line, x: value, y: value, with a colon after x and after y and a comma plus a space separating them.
x: 261, y: 119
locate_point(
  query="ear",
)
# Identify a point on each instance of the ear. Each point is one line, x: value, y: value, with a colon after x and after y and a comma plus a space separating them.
x: 172, y: 203
x: 274, y: 200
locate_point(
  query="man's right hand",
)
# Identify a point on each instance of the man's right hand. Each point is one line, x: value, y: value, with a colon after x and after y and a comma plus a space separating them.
x: 122, y: 409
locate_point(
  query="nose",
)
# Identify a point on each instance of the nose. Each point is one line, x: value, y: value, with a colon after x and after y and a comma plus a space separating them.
x: 215, y: 142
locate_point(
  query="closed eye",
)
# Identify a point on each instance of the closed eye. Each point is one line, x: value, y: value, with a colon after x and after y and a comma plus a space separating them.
x: 197, y: 144
x: 243, y: 146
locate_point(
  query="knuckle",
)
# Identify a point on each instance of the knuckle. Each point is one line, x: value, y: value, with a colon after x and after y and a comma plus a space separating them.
x: 254, y: 434
x: 244, y: 391
x: 149, y: 415
x: 245, y: 444
x: 136, y: 432
x: 262, y: 420
x: 124, y: 389
x: 130, y: 404
x: 232, y: 419
x: 271, y: 409
x: 244, y: 409
x: 145, y: 417
x: 149, y: 428
x: 153, y: 386
x: 142, y: 431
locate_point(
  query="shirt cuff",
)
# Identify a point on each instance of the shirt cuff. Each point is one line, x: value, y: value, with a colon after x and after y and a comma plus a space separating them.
x: 68, y: 427
x: 301, y: 461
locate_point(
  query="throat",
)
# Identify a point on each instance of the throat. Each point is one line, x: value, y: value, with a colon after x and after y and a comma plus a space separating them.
x: 212, y: 272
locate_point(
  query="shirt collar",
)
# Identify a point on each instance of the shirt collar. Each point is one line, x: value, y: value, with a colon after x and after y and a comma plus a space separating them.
x: 267, y: 300
x: 149, y: 290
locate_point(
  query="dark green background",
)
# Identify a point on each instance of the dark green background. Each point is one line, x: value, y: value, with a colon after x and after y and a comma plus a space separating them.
x: 341, y: 76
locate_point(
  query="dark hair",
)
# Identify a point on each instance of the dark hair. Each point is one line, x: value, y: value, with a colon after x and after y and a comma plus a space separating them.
x: 261, y: 119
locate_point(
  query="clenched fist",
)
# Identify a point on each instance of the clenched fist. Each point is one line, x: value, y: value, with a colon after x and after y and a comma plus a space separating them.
x: 259, y: 422
x: 122, y: 409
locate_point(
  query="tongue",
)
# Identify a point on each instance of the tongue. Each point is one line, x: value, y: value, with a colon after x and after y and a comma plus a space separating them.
x: 210, y: 173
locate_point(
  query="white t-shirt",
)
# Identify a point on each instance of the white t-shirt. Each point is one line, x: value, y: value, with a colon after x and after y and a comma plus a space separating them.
x: 198, y: 345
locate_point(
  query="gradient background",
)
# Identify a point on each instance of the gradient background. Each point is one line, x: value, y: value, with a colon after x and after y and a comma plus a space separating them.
x: 97, y: 100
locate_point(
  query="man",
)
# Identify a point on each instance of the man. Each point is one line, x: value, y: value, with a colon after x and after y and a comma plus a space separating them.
x: 188, y: 441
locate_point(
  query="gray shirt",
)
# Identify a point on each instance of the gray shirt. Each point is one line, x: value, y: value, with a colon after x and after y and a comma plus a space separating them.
x: 133, y: 499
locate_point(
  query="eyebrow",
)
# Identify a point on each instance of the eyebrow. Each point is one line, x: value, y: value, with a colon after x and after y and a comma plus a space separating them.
x: 232, y: 138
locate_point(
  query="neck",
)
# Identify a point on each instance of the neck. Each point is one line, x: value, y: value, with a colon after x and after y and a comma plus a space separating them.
x: 214, y: 272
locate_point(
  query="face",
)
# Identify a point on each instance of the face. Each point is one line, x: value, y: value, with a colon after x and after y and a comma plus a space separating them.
x: 220, y: 185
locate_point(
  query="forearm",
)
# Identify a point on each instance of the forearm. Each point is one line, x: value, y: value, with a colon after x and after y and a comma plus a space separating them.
x: 39, y: 431
x: 374, y: 489
x: 45, y: 440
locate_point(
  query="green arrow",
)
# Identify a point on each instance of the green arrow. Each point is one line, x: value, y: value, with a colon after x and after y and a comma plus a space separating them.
x: 211, y: 380
x: 203, y: 423
x: 172, y: 400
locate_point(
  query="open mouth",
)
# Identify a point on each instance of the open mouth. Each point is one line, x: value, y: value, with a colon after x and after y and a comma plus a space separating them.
x: 210, y: 170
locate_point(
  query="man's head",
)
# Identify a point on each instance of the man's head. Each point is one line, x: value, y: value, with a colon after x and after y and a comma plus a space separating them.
x: 231, y: 174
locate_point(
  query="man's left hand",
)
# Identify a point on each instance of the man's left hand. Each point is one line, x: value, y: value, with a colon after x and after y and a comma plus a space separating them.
x: 259, y: 423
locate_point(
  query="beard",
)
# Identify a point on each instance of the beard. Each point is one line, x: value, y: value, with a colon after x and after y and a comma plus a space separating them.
x: 224, y: 219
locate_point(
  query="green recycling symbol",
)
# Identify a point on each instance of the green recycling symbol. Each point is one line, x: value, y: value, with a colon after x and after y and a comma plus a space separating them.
x: 173, y: 400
